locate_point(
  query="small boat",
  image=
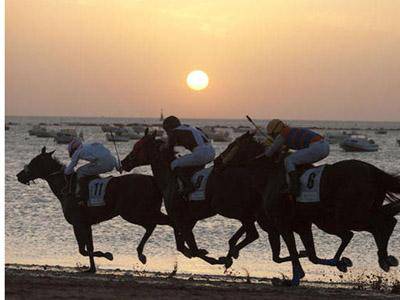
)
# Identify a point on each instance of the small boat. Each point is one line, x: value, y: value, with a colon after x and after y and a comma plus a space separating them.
x: 65, y: 136
x: 381, y: 131
x: 242, y: 129
x: 359, y: 143
x: 117, y: 137
x: 337, y: 137
x: 40, y: 131
x: 217, y: 135
x: 132, y: 134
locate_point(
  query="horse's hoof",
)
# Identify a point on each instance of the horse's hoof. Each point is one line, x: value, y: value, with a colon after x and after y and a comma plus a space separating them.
x: 201, y: 252
x: 342, y: 266
x: 384, y: 265
x: 234, y: 254
x: 142, y: 258
x: 392, y: 261
x: 187, y: 253
x: 347, y: 261
x: 227, y: 261
x: 108, y: 255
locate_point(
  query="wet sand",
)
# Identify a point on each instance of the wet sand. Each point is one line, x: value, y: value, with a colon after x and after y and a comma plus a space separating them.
x: 54, y: 282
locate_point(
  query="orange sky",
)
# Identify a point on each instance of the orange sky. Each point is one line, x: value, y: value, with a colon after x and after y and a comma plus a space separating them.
x: 291, y: 59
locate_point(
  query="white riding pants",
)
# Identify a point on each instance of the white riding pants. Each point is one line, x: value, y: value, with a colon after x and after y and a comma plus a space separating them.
x: 315, y: 152
x: 201, y: 155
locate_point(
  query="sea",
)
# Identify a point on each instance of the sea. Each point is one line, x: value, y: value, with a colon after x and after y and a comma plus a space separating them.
x: 37, y: 233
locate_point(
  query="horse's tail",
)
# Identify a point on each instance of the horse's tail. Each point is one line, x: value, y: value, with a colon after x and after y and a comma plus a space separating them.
x: 391, y: 185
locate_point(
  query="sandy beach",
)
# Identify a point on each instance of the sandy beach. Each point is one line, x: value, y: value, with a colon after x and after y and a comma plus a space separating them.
x: 53, y: 282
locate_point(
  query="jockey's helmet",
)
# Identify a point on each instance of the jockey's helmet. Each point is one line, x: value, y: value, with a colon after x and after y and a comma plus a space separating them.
x: 275, y: 127
x: 73, y: 146
x: 170, y: 123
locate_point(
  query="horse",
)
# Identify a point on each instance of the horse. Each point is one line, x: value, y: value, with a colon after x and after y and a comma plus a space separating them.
x: 352, y: 189
x: 228, y: 193
x: 134, y: 197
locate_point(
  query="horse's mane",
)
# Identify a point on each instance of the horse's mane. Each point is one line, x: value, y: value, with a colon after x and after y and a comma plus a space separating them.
x: 57, y: 161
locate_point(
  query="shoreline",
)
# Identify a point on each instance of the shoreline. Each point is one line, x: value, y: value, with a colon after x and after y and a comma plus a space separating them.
x: 45, y: 282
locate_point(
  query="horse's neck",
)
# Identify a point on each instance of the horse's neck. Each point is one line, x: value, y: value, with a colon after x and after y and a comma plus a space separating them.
x: 161, y: 173
x: 57, y: 183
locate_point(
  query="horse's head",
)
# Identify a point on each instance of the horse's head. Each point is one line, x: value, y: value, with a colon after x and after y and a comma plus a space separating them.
x: 39, y: 167
x: 243, y: 148
x: 145, y: 151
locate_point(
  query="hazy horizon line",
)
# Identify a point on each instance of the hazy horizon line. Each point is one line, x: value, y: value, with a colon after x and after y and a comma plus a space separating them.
x: 191, y: 118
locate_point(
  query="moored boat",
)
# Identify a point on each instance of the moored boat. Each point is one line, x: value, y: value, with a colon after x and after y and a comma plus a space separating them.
x: 65, y: 136
x: 42, y: 132
x: 117, y: 137
x: 359, y: 143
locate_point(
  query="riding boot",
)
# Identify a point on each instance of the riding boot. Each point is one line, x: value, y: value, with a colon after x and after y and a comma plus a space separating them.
x: 294, y: 184
x: 185, y: 178
x: 81, y: 191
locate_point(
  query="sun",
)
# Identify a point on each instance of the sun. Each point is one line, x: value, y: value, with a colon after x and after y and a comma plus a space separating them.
x: 197, y: 80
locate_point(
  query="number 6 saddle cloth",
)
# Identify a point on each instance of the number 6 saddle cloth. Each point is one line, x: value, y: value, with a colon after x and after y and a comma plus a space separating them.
x: 310, y: 185
x: 97, y: 189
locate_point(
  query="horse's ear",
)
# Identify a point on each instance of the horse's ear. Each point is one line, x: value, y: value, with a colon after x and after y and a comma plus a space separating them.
x: 44, y: 150
x: 146, y: 131
x: 51, y: 152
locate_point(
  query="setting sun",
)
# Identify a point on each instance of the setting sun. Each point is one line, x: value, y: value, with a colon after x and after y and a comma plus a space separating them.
x: 197, y: 80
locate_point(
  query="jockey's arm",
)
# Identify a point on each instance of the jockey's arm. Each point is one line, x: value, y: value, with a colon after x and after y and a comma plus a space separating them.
x: 277, y: 145
x: 74, y: 161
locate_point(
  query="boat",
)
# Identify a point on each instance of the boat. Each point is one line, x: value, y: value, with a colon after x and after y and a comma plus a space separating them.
x: 359, y: 143
x: 242, y: 129
x: 110, y: 128
x: 381, y: 131
x: 334, y: 137
x: 65, y: 136
x: 217, y: 135
x: 40, y: 131
x: 117, y: 137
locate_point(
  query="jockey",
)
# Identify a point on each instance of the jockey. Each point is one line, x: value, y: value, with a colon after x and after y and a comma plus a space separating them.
x: 311, y: 147
x: 99, y: 157
x: 192, y: 139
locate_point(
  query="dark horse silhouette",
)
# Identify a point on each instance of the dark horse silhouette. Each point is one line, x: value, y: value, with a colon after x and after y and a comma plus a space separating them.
x: 351, y: 189
x: 134, y: 197
x: 229, y: 193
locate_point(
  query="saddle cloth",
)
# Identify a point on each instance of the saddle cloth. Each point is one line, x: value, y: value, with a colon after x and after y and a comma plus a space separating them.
x: 310, y: 185
x: 199, y: 181
x: 97, y: 189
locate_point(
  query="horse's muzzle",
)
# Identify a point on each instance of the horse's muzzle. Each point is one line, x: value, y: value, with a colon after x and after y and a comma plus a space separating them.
x: 23, y: 177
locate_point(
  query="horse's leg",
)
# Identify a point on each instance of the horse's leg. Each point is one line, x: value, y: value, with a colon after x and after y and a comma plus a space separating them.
x: 234, y: 239
x: 382, y: 228
x: 297, y: 269
x: 149, y: 230
x: 189, y: 238
x: 251, y: 236
x: 84, y: 252
x: 343, y: 262
x: 308, y: 241
x: 233, y: 251
x: 83, y: 234
x: 275, y: 241
x: 180, y: 244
